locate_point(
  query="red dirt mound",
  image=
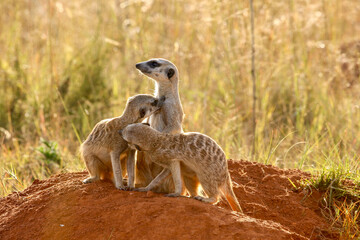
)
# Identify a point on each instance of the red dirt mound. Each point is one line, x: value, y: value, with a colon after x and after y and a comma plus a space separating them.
x: 64, y: 208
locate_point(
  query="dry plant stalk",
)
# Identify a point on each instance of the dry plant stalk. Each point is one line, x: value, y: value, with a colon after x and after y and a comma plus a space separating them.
x: 253, y: 75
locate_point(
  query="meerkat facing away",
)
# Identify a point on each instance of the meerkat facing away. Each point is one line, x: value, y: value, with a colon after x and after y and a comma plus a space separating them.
x: 102, y: 149
x: 196, y: 151
x: 167, y: 120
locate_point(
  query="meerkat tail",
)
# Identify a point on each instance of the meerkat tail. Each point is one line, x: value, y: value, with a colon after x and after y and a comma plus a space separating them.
x: 228, y: 193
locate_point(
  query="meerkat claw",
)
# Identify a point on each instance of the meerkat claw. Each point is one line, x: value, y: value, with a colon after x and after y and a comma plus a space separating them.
x: 85, y: 181
x: 199, y: 198
x: 143, y: 189
x: 121, y: 188
x: 127, y: 188
x: 173, y: 195
x: 88, y: 180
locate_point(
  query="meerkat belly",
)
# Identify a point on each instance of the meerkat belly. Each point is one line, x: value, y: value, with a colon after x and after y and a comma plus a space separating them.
x: 103, y: 154
x: 192, y: 163
x: 203, y: 163
x: 163, y: 158
x: 157, y: 122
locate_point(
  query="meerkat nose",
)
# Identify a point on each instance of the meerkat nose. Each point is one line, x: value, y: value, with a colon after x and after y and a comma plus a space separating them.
x: 161, y: 101
x: 120, y: 132
x: 138, y: 65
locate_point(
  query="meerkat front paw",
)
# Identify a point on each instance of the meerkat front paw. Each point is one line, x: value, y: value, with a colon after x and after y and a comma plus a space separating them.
x: 89, y: 180
x: 173, y: 195
x: 127, y: 188
x: 199, y: 198
x: 85, y: 181
x: 121, y: 187
x: 204, y: 199
x: 142, y: 189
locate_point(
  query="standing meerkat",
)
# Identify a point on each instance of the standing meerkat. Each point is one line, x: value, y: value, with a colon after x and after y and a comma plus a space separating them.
x: 168, y: 120
x: 196, y: 151
x: 102, y: 149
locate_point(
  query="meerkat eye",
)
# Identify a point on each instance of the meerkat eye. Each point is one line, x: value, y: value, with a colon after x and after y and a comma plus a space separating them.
x: 154, y: 64
x: 170, y: 73
x: 137, y: 147
x: 142, y: 112
x: 154, y: 103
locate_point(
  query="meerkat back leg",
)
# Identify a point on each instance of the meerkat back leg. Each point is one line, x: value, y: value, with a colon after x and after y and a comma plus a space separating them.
x: 191, y: 181
x: 123, y: 162
x: 116, y: 165
x: 143, y: 171
x: 130, y: 164
x: 176, y: 174
x: 91, y: 179
x: 95, y: 167
x: 154, y: 183
x: 211, y: 190
x: 191, y: 184
x: 205, y: 199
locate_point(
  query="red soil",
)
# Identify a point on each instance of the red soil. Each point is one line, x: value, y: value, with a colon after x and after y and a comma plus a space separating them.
x: 63, y: 208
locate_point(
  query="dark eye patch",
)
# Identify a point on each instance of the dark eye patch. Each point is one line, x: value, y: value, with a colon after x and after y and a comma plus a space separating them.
x: 142, y: 112
x: 154, y: 64
x: 137, y: 147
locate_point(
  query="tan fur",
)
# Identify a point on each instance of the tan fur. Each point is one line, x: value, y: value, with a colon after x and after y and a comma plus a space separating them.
x: 202, y: 156
x: 168, y: 120
x: 102, y: 149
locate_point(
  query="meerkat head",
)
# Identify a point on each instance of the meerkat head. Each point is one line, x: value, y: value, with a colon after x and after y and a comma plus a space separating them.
x: 142, y: 106
x: 159, y: 69
x: 138, y: 135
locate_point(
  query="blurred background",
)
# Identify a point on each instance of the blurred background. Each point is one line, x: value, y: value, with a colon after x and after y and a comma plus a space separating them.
x: 65, y: 65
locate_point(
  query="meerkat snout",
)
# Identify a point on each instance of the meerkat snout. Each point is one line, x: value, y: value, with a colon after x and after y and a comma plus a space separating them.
x: 158, y: 69
x: 158, y: 103
x: 154, y: 103
x: 143, y: 68
x: 120, y: 132
x: 145, y: 111
x: 155, y: 106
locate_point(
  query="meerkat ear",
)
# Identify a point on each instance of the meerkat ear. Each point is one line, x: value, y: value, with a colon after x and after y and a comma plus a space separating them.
x: 145, y: 123
x: 170, y: 73
x: 155, y: 102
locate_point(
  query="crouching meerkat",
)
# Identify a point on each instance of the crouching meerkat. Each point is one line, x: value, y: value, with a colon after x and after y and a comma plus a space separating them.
x: 102, y: 149
x: 168, y: 120
x: 196, y: 151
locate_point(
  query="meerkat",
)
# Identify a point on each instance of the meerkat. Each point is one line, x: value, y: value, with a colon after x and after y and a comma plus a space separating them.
x: 168, y: 120
x: 102, y: 149
x: 198, y: 152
